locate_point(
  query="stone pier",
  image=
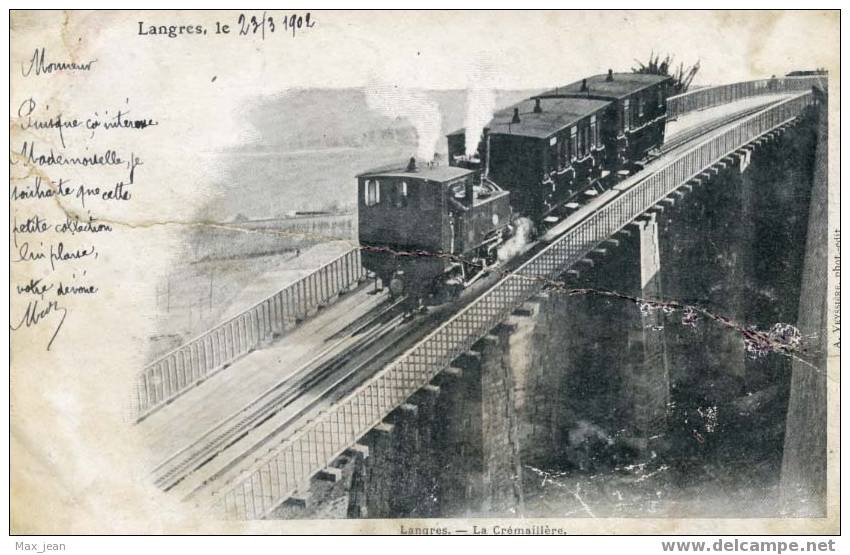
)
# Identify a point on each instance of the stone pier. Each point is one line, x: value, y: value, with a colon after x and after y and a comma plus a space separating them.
x: 804, y: 479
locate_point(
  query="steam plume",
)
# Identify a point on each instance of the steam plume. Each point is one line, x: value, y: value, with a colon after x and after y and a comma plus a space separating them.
x: 520, y: 239
x: 412, y: 105
x: 480, y: 102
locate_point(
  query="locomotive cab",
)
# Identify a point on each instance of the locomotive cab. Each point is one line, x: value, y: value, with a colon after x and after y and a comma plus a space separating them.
x: 424, y: 228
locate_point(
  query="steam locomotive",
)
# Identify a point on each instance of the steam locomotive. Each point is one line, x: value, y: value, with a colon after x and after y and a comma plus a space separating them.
x: 429, y: 231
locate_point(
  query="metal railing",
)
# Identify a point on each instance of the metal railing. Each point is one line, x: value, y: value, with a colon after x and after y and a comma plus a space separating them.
x: 278, y: 474
x: 708, y: 97
x: 182, y: 368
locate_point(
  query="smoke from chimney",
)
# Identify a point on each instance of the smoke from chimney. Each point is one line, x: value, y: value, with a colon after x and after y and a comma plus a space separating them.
x: 480, y: 102
x: 412, y: 105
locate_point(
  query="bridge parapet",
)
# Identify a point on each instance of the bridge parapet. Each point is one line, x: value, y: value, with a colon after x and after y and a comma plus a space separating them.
x: 708, y: 97
x: 256, y: 492
x: 179, y: 370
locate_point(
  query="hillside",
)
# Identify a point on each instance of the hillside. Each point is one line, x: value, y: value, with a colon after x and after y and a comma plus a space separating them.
x: 308, y: 145
x: 333, y: 118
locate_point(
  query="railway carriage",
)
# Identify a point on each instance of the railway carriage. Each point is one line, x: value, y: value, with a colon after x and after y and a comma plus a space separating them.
x: 552, y: 146
x: 638, y: 112
x: 543, y: 150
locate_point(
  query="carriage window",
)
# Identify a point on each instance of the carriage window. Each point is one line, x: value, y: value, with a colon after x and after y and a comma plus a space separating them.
x: 372, y: 192
x: 660, y: 98
x: 585, y: 143
x: 574, y: 143
x: 594, y: 133
x: 581, y: 143
x: 401, y: 194
x: 640, y: 107
x: 598, y: 136
x: 553, y: 153
x: 562, y: 154
x: 626, y: 115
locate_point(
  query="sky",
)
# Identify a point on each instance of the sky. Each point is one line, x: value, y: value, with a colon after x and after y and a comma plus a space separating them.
x: 441, y: 49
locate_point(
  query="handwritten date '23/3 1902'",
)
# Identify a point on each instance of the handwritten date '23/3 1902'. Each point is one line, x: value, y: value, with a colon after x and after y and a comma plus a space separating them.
x: 245, y: 25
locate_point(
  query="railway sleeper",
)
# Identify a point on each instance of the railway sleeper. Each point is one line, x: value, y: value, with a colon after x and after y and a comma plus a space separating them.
x: 572, y: 274
x: 382, y: 428
x: 470, y: 360
x: 329, y: 474
x: 357, y: 450
x: 453, y: 371
x: 408, y: 409
x: 478, y: 347
x: 300, y: 499
x: 528, y: 308
x: 430, y: 389
x: 586, y: 263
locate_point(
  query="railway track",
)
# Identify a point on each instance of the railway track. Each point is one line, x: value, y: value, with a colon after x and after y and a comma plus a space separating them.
x: 700, y: 130
x: 356, y: 339
x: 331, y: 388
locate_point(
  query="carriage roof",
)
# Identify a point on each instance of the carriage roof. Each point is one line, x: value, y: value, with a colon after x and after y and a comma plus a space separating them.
x: 555, y: 114
x: 620, y: 86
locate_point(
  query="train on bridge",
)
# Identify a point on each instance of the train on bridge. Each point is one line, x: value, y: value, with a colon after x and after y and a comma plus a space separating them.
x: 429, y: 231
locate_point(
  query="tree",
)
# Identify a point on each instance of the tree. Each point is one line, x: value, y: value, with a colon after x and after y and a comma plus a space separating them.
x: 656, y: 66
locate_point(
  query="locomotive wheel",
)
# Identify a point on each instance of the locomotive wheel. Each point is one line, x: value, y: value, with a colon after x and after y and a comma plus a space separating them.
x: 396, y: 286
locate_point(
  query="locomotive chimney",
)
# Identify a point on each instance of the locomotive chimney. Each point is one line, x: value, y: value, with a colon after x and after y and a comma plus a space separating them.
x: 610, y: 75
x: 584, y: 85
x: 515, y: 119
x: 411, y: 165
x: 537, y: 108
x: 469, y: 192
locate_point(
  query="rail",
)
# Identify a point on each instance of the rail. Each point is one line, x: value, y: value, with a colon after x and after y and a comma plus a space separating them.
x: 278, y: 474
x: 184, y: 367
x: 709, y: 97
